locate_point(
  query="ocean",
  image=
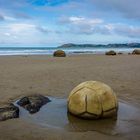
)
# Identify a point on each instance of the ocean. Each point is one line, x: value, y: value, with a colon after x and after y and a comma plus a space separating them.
x: 50, y: 50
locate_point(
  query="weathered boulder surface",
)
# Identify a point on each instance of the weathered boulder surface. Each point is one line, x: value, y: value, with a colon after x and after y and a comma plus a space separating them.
x: 93, y: 100
x: 8, y: 111
x: 33, y: 103
x: 136, y: 51
x: 59, y: 53
x: 111, y: 53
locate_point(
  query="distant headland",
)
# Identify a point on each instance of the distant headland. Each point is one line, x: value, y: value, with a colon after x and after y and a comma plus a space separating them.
x: 126, y: 45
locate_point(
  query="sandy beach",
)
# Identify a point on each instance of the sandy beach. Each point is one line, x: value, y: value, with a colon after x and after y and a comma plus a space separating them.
x: 49, y: 76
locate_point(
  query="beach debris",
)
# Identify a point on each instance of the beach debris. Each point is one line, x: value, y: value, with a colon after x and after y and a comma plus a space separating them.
x: 59, y: 53
x: 136, y: 51
x: 93, y: 100
x: 111, y: 53
x: 33, y: 103
x: 8, y: 111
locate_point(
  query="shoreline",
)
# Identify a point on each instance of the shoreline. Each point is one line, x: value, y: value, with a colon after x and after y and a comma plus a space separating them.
x: 69, y: 51
x: 69, y: 55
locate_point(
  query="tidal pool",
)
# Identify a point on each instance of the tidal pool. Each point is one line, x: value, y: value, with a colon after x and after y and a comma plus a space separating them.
x: 54, y: 114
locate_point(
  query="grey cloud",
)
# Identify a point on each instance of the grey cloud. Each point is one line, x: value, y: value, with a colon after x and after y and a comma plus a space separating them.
x: 128, y: 8
x: 121, y: 30
x: 79, y: 30
x: 82, y: 25
x: 63, y: 20
x: 13, y: 9
x: 128, y: 31
x: 80, y: 21
x: 89, y: 31
x: 42, y: 29
x: 102, y: 30
x: 58, y: 32
x: 22, y: 15
x: 47, y: 31
x: 89, y: 26
x: 13, y: 3
x: 1, y: 17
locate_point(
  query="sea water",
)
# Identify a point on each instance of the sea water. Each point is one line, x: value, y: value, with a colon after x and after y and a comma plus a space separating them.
x: 49, y: 50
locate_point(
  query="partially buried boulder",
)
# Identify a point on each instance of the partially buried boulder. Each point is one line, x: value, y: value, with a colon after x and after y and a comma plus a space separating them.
x: 110, y: 52
x: 33, y: 103
x: 136, y: 51
x: 93, y: 100
x: 59, y: 53
x: 8, y: 111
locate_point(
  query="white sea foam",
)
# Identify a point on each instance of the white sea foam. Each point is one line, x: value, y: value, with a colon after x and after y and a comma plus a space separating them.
x: 49, y: 51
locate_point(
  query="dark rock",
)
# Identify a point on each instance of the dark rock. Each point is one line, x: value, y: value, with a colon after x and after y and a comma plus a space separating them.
x: 24, y: 101
x: 33, y: 103
x: 8, y: 111
x: 136, y: 51
x: 59, y: 53
x: 110, y: 52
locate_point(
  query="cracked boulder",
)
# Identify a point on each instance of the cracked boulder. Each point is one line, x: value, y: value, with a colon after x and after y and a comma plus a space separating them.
x: 33, y: 103
x: 8, y: 111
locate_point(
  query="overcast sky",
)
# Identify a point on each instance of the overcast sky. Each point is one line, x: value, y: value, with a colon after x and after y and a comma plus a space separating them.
x: 55, y: 22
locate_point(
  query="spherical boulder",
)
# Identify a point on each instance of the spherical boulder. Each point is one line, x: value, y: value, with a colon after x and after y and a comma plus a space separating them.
x: 136, y: 51
x: 59, y: 53
x: 93, y: 100
x: 110, y: 52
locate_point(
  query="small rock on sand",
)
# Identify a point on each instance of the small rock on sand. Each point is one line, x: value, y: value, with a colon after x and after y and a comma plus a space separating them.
x: 33, y: 103
x: 8, y: 111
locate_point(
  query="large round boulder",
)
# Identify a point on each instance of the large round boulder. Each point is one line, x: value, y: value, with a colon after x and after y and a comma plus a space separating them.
x: 111, y: 53
x: 93, y: 100
x: 59, y: 53
x: 136, y: 51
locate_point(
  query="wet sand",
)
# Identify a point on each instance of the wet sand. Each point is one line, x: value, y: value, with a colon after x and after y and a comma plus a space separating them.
x: 24, y: 75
